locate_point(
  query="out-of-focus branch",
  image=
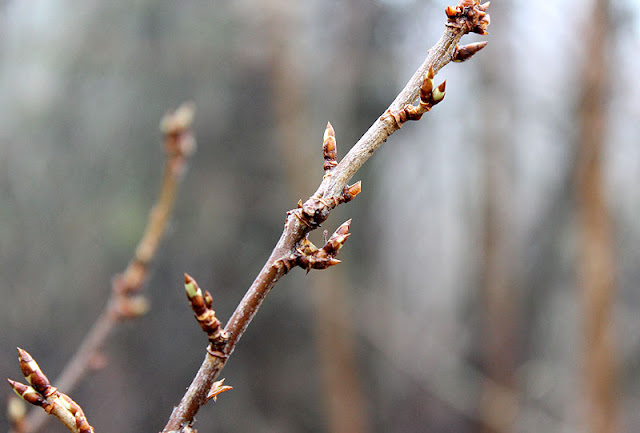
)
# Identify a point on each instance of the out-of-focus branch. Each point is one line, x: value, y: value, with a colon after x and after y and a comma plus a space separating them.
x: 40, y: 393
x: 467, y: 16
x: 498, y: 309
x: 596, y: 267
x: 126, y: 300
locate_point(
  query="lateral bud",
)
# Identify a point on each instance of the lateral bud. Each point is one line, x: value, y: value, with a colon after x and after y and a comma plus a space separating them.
x: 329, y: 148
x: 350, y: 192
x: 308, y: 256
x: 427, y: 85
x: 438, y: 93
x: 201, y: 303
x: 465, y: 52
x: 34, y: 375
x: 27, y: 393
x: 337, y: 239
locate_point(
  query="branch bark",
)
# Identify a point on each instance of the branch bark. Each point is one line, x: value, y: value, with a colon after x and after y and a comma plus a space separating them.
x: 467, y: 16
x: 596, y: 267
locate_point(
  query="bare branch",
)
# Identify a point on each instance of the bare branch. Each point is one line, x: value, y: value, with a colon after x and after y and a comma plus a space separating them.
x: 126, y: 300
x: 40, y: 393
x: 467, y: 16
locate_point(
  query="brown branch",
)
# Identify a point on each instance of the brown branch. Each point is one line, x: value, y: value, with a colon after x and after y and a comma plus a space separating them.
x: 468, y: 16
x: 40, y: 393
x: 126, y: 300
x: 596, y: 262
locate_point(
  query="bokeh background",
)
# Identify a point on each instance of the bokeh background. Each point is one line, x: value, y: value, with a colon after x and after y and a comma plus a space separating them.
x: 462, y: 303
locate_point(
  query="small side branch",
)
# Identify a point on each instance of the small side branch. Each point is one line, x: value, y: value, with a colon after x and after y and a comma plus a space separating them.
x: 308, y: 256
x: 201, y: 303
x: 126, y: 300
x: 40, y: 393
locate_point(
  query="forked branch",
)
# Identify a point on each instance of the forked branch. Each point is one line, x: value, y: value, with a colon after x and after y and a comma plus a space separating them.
x: 293, y: 248
x: 39, y: 392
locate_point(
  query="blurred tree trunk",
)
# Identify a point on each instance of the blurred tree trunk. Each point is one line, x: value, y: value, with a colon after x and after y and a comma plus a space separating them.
x: 334, y: 328
x: 595, y: 259
x: 498, y: 405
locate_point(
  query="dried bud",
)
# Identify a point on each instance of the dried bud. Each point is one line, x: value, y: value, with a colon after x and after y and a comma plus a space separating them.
x: 329, y: 148
x: 217, y: 388
x: 452, y: 12
x: 470, y: 16
x: 465, y: 52
x: 483, y: 23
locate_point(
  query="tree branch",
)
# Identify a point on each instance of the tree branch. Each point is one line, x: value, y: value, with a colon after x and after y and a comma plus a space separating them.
x: 126, y: 300
x: 467, y: 16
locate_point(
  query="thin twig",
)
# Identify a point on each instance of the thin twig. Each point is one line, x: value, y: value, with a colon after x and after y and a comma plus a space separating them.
x: 126, y: 300
x: 596, y: 262
x: 40, y: 393
x: 468, y: 16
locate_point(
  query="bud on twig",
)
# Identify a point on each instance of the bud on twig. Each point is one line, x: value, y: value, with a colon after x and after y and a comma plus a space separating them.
x: 34, y: 375
x: 429, y: 96
x: 469, y: 15
x: 201, y: 303
x: 308, y: 256
x: 350, y: 192
x: 42, y: 394
x: 329, y: 149
x: 465, y: 52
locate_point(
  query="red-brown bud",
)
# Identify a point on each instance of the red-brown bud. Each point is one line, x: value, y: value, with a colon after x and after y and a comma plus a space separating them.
x: 465, y: 52
x: 329, y: 148
x: 34, y: 375
x: 26, y: 393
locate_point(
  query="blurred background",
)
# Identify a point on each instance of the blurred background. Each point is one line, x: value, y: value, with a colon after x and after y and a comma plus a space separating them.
x: 491, y: 280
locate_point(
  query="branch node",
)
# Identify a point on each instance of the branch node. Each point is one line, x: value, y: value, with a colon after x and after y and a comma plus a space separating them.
x: 217, y: 353
x: 308, y: 256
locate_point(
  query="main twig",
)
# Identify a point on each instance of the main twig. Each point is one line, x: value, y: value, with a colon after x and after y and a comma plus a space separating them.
x: 126, y: 300
x: 293, y: 248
